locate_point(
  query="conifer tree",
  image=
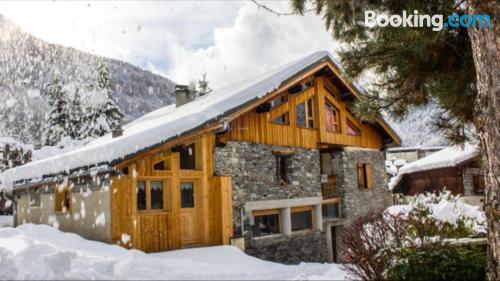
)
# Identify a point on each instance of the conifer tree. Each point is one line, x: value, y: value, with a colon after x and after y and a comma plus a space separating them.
x: 57, y: 121
x: 76, y: 116
x: 457, y: 67
x: 203, y: 87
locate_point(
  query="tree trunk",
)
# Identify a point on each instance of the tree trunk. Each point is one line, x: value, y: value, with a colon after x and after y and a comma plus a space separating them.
x: 486, y: 51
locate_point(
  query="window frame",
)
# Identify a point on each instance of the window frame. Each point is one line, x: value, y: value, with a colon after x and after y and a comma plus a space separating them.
x: 301, y: 209
x: 39, y: 194
x: 309, y: 113
x: 337, y: 128
x: 65, y: 190
x: 166, y: 193
x: 353, y: 127
x: 164, y: 160
x: 365, y: 176
x: 286, y: 119
x: 267, y: 212
x: 194, y: 193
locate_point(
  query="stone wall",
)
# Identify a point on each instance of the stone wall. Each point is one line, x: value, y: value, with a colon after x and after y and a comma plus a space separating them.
x: 90, y: 203
x: 252, y: 168
x: 293, y: 249
x: 355, y: 201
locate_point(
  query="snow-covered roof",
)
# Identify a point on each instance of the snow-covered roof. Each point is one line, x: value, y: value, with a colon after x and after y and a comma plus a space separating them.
x: 448, y: 157
x: 169, y: 122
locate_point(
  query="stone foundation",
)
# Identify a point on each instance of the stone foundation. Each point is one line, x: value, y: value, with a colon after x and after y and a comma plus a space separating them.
x: 310, y: 247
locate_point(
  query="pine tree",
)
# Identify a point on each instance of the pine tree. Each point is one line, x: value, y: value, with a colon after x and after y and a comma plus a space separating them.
x: 457, y: 67
x: 102, y: 118
x: 203, y: 87
x: 76, y: 116
x: 57, y: 121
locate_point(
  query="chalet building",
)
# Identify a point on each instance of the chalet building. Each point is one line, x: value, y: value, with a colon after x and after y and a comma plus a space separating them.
x: 411, y: 154
x: 457, y: 169
x: 274, y: 164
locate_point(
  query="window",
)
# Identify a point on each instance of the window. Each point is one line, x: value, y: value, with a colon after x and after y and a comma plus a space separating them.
x: 151, y: 195
x: 266, y: 223
x: 283, y: 119
x: 332, y: 118
x: 302, y: 219
x: 282, y: 168
x: 364, y: 176
x: 125, y: 171
x: 478, y: 184
x: 330, y: 209
x: 277, y: 101
x: 156, y: 195
x: 141, y: 195
x: 35, y: 200
x: 163, y: 165
x: 187, y: 195
x: 352, y: 129
x: 305, y: 114
x: 62, y: 199
x: 188, y: 157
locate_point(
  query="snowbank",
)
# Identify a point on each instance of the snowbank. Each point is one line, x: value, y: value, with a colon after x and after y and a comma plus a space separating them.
x: 445, y: 208
x: 42, y: 252
x: 6, y: 221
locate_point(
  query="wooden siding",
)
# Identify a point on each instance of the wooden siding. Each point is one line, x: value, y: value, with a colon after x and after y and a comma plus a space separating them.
x: 432, y: 181
x: 161, y: 230
x: 257, y: 127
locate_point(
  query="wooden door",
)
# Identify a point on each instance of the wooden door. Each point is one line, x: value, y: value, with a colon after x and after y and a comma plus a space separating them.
x: 189, y: 213
x: 334, y: 244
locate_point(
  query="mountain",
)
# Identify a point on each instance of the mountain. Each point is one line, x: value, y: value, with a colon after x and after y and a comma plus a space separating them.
x: 28, y: 64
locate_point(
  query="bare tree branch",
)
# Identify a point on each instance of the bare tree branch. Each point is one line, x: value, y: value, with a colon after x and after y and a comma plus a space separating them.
x: 259, y: 5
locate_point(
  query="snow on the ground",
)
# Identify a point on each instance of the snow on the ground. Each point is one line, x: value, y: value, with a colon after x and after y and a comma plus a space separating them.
x: 445, y: 208
x: 42, y: 252
x: 6, y: 221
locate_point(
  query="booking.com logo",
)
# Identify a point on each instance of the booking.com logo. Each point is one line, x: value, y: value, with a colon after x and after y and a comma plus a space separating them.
x: 421, y: 20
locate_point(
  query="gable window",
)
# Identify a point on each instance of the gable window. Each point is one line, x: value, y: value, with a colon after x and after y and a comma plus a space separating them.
x: 352, y: 129
x: 266, y: 223
x: 283, y: 119
x: 302, y: 219
x: 188, y: 157
x: 332, y: 118
x: 35, y: 199
x: 62, y: 202
x: 150, y: 195
x: 305, y: 114
x: 277, y: 101
x: 163, y: 165
x: 364, y: 176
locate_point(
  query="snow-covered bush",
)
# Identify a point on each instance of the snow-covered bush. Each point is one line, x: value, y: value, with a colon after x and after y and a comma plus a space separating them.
x: 376, y: 244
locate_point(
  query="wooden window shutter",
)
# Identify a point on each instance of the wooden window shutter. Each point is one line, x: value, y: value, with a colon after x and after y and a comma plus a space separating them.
x: 368, y: 171
x: 361, y: 176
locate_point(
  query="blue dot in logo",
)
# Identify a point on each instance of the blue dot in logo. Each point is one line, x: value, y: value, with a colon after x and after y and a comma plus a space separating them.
x: 445, y: 24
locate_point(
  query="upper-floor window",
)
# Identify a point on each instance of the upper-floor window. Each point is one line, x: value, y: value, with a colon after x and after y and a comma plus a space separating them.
x: 283, y: 119
x: 188, y: 157
x: 277, y: 101
x: 351, y: 129
x: 305, y: 114
x: 364, y: 176
x: 163, y: 165
x: 332, y: 118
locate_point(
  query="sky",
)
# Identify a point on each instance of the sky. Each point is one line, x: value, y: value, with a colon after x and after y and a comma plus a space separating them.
x: 227, y: 40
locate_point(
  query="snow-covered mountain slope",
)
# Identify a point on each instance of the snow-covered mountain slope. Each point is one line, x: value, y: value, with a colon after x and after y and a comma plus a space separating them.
x: 27, y: 64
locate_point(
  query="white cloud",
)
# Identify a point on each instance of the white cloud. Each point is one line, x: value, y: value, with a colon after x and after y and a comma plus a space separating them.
x: 258, y: 40
x: 229, y: 40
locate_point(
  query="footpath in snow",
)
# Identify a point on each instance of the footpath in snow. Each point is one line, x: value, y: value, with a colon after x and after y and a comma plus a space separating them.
x: 42, y: 252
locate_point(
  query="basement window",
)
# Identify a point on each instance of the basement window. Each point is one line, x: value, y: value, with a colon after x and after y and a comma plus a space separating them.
x: 302, y: 219
x: 188, y: 157
x: 266, y: 223
x: 62, y: 202
x: 364, y: 176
